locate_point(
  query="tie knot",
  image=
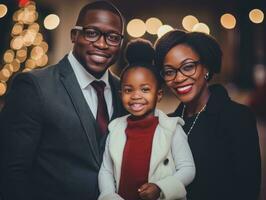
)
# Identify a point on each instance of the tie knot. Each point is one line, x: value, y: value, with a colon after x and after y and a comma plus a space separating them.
x: 98, y: 86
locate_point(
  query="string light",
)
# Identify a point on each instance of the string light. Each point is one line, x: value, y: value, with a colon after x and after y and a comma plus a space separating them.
x: 26, y: 42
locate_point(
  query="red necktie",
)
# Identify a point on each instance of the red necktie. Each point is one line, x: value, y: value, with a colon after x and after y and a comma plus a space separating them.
x: 102, y: 117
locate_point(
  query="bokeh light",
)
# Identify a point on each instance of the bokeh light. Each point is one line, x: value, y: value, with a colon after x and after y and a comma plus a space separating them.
x: 3, y: 10
x: 17, y: 29
x: 15, y: 64
x: 256, y: 16
x: 36, y: 53
x: 189, y: 21
x: 152, y: 25
x: 164, y: 29
x: 2, y: 88
x: 51, y: 21
x: 228, y: 21
x: 17, y: 42
x: 201, y: 27
x: 136, y: 28
x: 9, y: 56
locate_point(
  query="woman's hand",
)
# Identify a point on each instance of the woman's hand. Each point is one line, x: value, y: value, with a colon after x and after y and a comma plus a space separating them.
x: 149, y: 191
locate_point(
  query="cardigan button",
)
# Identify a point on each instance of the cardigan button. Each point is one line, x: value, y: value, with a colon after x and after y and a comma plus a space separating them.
x: 166, y: 161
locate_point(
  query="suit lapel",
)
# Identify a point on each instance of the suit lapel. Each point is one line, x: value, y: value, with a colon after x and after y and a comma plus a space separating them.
x: 88, y: 122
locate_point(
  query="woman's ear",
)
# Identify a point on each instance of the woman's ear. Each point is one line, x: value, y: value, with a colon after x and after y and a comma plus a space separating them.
x: 159, y: 95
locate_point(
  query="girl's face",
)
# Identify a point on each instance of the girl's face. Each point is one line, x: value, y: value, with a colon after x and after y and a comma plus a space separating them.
x: 139, y: 92
x: 189, y: 86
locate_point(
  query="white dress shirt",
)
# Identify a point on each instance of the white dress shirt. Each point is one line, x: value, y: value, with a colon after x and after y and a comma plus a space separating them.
x: 85, y: 79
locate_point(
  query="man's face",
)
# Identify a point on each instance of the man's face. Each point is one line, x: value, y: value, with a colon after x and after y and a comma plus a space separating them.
x: 96, y: 57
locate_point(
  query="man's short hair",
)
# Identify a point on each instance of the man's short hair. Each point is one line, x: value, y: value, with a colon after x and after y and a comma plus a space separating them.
x: 100, y: 5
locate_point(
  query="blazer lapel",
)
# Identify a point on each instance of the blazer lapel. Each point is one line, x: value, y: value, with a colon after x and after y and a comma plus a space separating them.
x: 88, y: 122
x: 117, y: 104
x: 118, y: 140
x: 161, y: 144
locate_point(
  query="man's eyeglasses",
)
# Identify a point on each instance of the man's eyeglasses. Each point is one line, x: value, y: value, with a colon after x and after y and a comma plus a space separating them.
x: 93, y: 34
x: 187, y: 69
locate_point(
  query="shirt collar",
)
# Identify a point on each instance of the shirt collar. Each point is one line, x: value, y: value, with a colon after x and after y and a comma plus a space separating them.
x: 84, y: 77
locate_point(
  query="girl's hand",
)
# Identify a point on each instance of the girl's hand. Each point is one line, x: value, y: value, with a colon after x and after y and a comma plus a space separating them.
x: 149, y: 191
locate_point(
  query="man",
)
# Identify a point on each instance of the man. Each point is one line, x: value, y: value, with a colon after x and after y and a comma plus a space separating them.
x: 54, y: 122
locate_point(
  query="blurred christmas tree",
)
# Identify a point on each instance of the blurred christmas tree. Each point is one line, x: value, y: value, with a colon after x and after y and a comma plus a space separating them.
x: 27, y: 47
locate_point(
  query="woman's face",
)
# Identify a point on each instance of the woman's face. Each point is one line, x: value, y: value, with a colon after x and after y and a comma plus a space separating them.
x: 189, y: 84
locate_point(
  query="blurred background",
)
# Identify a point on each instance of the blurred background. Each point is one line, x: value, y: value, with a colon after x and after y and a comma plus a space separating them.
x: 35, y: 34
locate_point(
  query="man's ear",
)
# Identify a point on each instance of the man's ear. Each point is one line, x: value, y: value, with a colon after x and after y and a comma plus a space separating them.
x: 73, y: 35
x: 159, y: 95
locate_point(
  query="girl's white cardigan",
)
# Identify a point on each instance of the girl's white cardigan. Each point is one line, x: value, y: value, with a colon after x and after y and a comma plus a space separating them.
x: 171, y: 165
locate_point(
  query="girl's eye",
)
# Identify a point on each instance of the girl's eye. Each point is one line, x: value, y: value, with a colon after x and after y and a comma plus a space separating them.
x: 127, y: 90
x: 145, y: 89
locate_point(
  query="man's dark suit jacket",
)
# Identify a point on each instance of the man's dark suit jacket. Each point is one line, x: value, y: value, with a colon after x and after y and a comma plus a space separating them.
x: 50, y: 149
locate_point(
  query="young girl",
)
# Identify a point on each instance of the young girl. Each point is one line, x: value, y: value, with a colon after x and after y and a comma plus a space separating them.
x: 147, y: 154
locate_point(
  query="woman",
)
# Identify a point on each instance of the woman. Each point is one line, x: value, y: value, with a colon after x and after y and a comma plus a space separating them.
x: 222, y: 133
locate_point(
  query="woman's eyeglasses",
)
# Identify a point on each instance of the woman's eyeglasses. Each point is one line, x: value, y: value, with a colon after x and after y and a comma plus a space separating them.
x: 187, y: 69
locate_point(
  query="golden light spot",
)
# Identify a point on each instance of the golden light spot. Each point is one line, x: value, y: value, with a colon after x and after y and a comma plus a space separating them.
x: 42, y: 61
x: 51, y: 21
x: 189, y: 21
x: 30, y: 63
x: 35, y: 27
x: 2, y: 88
x: 38, y: 39
x: 136, y: 28
x: 16, y: 65
x: 9, y: 67
x: 44, y: 46
x: 228, y: 21
x: 17, y: 29
x: 201, y: 27
x: 26, y: 69
x: 21, y: 54
x: 3, y: 10
x: 163, y: 30
x: 36, y: 53
x: 152, y: 25
x: 9, y: 56
x: 17, y: 43
x: 256, y: 16
x: 29, y: 36
x: 6, y: 73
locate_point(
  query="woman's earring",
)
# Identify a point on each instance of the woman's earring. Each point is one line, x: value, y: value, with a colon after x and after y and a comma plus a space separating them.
x: 206, y: 77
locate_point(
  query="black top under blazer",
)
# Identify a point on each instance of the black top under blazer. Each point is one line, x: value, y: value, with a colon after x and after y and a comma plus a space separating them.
x: 225, y: 146
x: 49, y: 146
